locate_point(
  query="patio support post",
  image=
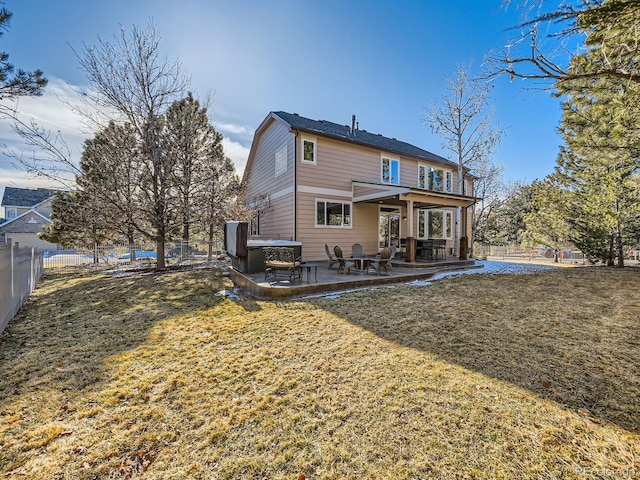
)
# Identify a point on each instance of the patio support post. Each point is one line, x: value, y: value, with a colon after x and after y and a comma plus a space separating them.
x: 464, y: 240
x: 410, y: 252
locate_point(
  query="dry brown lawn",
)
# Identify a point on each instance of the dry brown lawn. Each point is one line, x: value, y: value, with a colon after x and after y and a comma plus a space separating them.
x: 480, y: 376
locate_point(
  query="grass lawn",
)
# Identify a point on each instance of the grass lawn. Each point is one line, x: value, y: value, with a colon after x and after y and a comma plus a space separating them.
x: 475, y: 376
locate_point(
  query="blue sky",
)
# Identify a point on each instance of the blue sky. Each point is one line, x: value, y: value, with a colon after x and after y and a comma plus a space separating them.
x: 384, y: 61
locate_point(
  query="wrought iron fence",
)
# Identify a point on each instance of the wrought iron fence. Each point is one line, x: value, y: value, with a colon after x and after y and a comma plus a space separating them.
x: 111, y: 256
x: 516, y: 250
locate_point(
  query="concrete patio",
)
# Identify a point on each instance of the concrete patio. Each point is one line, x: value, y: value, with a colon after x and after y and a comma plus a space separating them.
x: 329, y: 280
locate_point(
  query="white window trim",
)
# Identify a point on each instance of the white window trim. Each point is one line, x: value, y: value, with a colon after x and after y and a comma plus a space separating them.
x: 14, y: 210
x: 426, y: 175
x: 313, y: 140
x: 331, y: 200
x: 430, y: 169
x: 398, y: 211
x: 391, y: 160
x: 254, y: 225
x: 277, y: 158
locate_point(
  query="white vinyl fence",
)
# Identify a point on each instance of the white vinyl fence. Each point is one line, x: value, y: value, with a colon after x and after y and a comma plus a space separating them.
x: 20, y: 270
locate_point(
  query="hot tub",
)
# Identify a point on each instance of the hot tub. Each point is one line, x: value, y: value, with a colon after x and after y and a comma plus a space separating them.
x: 254, y: 261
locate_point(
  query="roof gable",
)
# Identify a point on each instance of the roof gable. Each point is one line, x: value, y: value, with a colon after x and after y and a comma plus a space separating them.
x: 20, y: 219
x: 362, y: 137
x: 269, y: 120
x: 25, y: 197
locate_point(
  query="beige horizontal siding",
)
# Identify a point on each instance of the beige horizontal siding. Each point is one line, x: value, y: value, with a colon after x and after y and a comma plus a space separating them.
x: 364, y: 229
x: 338, y: 163
x: 261, y: 179
x: 277, y: 221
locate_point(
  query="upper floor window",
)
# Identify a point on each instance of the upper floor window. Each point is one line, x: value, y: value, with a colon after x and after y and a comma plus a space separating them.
x: 333, y: 214
x: 390, y: 171
x: 468, y: 187
x: 435, y: 179
x: 309, y: 151
x: 11, y: 212
x: 423, y: 175
x: 281, y: 160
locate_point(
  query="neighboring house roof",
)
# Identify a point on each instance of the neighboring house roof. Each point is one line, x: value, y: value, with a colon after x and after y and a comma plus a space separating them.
x: 362, y: 137
x: 18, y: 224
x: 25, y: 197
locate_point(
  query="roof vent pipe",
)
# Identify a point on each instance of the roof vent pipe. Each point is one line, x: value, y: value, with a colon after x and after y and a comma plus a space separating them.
x: 353, y: 124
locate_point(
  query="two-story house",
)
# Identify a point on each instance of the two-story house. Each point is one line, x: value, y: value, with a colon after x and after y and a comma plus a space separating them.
x: 26, y: 211
x: 320, y: 183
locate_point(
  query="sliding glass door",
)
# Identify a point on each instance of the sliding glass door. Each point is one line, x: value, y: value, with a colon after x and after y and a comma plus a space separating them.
x: 389, y: 227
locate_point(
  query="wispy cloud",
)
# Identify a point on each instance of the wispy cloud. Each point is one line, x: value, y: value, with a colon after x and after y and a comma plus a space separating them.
x: 230, y: 128
x: 56, y: 111
x: 52, y: 112
x: 237, y: 152
x: 236, y: 143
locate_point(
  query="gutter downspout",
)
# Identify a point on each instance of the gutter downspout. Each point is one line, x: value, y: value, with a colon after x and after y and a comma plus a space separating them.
x: 295, y: 186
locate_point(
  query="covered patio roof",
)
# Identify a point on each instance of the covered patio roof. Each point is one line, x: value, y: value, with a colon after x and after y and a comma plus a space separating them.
x: 364, y: 192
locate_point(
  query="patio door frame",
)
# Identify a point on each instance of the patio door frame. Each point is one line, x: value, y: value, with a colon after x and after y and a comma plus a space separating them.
x: 392, y: 210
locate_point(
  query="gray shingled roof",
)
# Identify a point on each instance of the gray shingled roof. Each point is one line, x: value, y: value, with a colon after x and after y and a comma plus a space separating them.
x: 343, y: 132
x: 24, y: 197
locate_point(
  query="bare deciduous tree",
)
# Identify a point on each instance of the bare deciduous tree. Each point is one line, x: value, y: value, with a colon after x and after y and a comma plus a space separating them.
x: 128, y: 76
x: 549, y: 39
x: 465, y: 120
x: 219, y: 193
x: 50, y: 156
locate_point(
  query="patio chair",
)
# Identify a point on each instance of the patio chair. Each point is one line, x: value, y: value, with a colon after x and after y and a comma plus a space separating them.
x: 332, y: 259
x: 356, y: 251
x: 281, y: 259
x: 384, y: 262
x: 344, y: 264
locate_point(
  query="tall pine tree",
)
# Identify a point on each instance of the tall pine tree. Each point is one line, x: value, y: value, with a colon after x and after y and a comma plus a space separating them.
x: 16, y: 83
x: 599, y: 163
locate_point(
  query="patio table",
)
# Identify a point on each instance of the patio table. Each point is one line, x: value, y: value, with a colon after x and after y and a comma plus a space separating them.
x: 362, y: 263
